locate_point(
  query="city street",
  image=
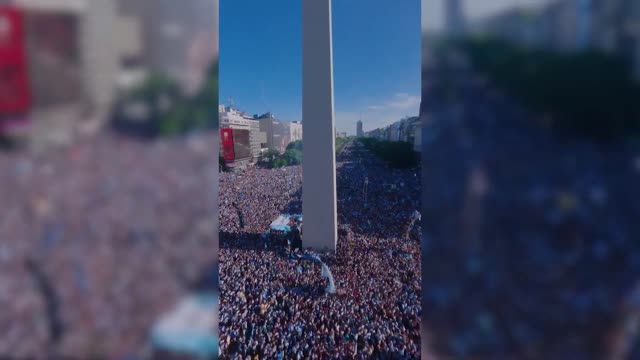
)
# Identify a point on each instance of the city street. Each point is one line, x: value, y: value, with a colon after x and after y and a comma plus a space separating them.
x: 275, y: 307
x: 529, y: 238
x: 100, y: 239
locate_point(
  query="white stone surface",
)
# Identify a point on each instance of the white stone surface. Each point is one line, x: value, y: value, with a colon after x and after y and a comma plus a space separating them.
x: 319, y: 167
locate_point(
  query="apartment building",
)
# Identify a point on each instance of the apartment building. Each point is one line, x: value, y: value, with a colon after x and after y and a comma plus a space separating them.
x: 234, y: 119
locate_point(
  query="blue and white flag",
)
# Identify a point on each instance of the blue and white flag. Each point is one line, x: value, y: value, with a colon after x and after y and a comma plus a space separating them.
x: 311, y: 257
x: 190, y: 328
x: 331, y: 288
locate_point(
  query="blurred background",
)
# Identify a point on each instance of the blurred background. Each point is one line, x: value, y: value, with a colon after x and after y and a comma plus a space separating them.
x: 108, y: 179
x: 531, y: 160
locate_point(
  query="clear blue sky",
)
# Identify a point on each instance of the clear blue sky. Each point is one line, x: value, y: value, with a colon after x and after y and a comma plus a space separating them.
x: 376, y: 59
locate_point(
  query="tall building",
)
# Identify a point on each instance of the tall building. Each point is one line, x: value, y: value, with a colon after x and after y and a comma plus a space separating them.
x: 88, y: 48
x: 77, y: 46
x: 267, y: 124
x: 618, y: 29
x: 285, y: 134
x: 71, y: 44
x: 454, y: 17
x: 531, y: 26
x: 417, y: 140
x: 257, y: 138
x: 407, y: 130
x: 97, y: 40
x: 233, y: 119
x: 278, y: 133
x: 571, y: 25
x: 359, y: 131
x: 179, y: 37
x: 295, y: 128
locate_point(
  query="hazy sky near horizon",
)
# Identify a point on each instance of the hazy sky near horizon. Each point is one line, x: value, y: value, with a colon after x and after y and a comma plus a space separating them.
x: 433, y: 10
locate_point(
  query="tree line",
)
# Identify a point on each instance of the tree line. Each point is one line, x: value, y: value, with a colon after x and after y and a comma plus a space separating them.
x: 164, y: 110
x: 291, y: 156
x: 587, y: 93
x: 398, y: 154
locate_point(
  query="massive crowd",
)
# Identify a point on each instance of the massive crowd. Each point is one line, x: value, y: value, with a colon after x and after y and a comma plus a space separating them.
x: 273, y: 307
x: 99, y: 240
x: 531, y: 239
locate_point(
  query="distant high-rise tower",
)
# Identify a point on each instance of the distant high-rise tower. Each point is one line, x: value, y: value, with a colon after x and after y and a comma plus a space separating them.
x: 359, y: 131
x: 454, y: 17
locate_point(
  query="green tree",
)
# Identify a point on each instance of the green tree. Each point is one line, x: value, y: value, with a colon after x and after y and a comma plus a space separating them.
x: 267, y: 159
x: 340, y: 142
x: 588, y: 93
x: 185, y: 113
x: 295, y: 145
x: 397, y: 154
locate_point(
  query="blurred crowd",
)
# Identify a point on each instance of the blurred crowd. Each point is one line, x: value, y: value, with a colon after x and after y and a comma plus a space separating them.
x: 100, y: 239
x: 273, y: 307
x: 531, y: 239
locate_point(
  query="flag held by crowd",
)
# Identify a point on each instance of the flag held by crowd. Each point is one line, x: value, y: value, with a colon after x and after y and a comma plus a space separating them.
x: 331, y: 288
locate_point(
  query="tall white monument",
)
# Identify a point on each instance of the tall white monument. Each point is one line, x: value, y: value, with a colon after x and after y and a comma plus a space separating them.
x: 319, y: 163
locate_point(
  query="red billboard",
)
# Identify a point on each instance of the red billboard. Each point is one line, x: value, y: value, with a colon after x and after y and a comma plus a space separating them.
x: 226, y: 139
x: 14, y: 83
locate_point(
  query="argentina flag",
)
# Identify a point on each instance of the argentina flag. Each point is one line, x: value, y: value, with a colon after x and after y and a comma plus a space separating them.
x: 331, y: 288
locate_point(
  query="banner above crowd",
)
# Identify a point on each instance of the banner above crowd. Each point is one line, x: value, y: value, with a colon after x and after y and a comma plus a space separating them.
x: 282, y: 222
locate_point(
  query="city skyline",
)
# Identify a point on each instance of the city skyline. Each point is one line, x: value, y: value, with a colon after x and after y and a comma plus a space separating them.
x: 261, y: 65
x: 261, y: 116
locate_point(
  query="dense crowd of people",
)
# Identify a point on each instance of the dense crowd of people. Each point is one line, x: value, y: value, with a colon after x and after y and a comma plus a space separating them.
x: 100, y: 239
x: 274, y: 307
x: 531, y: 239
x: 250, y: 199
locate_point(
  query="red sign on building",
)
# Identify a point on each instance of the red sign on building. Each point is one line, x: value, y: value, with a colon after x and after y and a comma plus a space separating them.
x: 226, y: 136
x: 14, y: 84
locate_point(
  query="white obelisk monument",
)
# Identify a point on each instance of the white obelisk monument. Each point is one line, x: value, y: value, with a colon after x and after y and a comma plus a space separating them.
x: 318, y: 163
